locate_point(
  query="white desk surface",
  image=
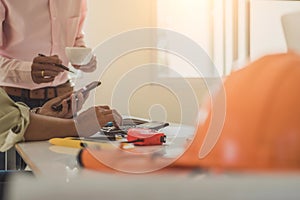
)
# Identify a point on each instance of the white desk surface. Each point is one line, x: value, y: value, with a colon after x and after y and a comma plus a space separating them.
x: 66, y: 180
x: 45, y: 159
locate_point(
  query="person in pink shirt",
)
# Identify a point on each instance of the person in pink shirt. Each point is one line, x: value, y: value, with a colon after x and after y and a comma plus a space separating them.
x: 30, y: 28
x: 33, y: 27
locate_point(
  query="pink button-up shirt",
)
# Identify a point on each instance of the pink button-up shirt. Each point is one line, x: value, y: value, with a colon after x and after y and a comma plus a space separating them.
x: 29, y: 27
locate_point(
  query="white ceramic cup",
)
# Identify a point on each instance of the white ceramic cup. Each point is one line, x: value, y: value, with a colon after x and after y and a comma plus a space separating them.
x: 79, y: 55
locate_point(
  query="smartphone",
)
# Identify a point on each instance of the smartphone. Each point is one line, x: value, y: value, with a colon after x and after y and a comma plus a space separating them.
x: 84, y: 91
x: 89, y: 87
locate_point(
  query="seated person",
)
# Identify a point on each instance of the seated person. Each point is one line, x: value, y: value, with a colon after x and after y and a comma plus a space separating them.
x: 19, y: 124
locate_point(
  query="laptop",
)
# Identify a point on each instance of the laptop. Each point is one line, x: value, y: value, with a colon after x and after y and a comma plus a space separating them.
x: 291, y: 29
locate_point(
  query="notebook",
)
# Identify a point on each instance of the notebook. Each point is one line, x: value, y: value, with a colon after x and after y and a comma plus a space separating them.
x: 291, y: 29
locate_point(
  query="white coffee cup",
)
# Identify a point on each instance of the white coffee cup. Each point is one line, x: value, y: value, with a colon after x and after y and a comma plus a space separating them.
x: 79, y: 55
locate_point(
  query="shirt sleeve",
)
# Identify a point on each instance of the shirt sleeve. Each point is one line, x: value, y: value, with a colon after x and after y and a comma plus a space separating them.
x: 15, y: 71
x: 80, y: 35
x: 12, y: 70
x: 14, y: 119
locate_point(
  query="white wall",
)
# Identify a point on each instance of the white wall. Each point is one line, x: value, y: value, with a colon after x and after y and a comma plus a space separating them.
x: 266, y: 32
x: 106, y: 19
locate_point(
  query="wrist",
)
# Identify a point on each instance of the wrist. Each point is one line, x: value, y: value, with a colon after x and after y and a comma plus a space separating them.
x: 71, y: 127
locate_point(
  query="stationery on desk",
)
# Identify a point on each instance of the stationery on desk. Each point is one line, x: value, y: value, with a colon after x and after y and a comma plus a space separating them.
x: 79, y: 142
x: 142, y: 134
x: 136, y: 136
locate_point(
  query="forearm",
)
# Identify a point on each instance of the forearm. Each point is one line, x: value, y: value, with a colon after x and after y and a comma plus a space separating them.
x: 44, y: 127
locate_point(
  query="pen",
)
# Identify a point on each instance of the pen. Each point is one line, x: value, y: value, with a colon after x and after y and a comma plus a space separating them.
x: 59, y: 65
x: 79, y: 143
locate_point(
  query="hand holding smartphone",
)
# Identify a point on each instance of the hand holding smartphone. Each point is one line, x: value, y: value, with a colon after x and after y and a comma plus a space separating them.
x: 84, y: 91
x: 89, y: 87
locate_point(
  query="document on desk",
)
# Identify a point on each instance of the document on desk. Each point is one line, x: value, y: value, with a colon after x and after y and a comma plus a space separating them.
x: 79, y: 142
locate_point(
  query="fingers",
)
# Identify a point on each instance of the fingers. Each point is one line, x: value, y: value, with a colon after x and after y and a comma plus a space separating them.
x: 77, y: 101
x: 76, y: 66
x: 90, y: 67
x: 44, y: 73
x: 41, y: 79
x: 80, y: 100
x: 44, y: 69
x: 59, y: 99
x: 91, y: 120
x: 105, y: 115
x: 47, y: 108
x: 47, y: 59
x: 118, y: 120
x: 104, y: 107
x: 70, y: 103
x: 74, y: 100
x: 65, y: 108
x: 47, y: 63
x: 65, y: 96
x: 104, y: 111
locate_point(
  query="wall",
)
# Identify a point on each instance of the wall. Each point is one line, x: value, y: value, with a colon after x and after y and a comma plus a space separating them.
x: 107, y: 19
x: 266, y: 27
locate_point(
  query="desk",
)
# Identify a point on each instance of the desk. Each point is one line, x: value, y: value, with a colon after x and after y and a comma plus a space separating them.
x: 66, y: 180
x: 95, y: 185
x: 45, y: 159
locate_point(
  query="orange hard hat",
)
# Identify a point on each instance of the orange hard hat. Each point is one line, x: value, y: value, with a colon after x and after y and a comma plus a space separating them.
x: 261, y: 130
